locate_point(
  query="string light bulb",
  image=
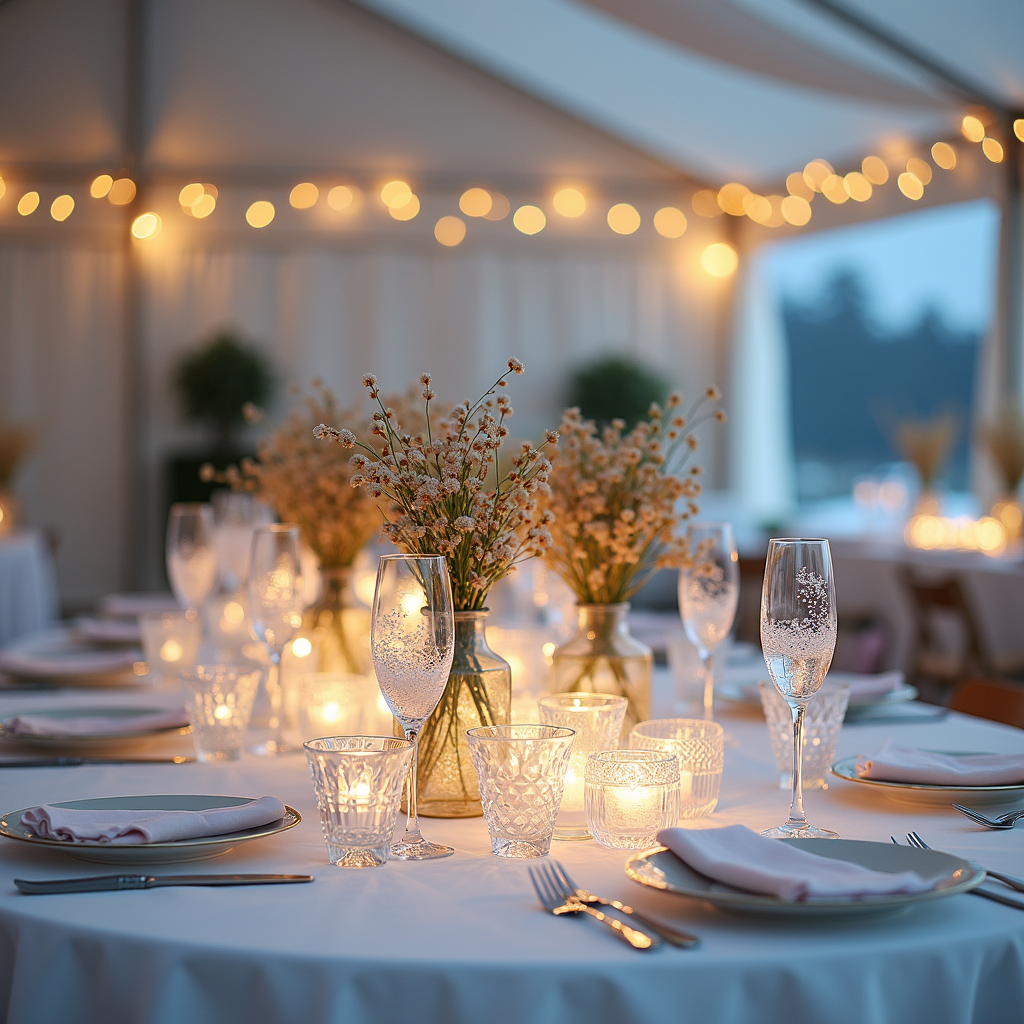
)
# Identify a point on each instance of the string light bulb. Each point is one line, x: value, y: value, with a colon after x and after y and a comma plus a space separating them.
x: 395, y: 193
x: 920, y: 169
x: 972, y: 129
x: 28, y: 203
x: 146, y: 225
x: 875, y: 170
x: 993, y: 149
x: 100, y: 186
x: 476, y: 202
x: 529, y: 220
x: 62, y: 207
x: 944, y: 156
x: 304, y: 195
x: 121, y: 192
x: 796, y: 210
x: 910, y: 185
x: 1018, y: 128
x: 730, y: 198
x: 720, y: 259
x: 260, y: 213
x: 450, y: 231
x: 407, y: 208
x: 569, y: 202
x: 623, y: 219
x: 670, y: 222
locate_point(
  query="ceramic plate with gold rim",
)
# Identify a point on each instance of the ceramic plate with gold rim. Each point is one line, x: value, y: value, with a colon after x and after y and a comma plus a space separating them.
x: 149, y: 853
x: 69, y: 715
x: 919, y: 793
x: 661, y: 869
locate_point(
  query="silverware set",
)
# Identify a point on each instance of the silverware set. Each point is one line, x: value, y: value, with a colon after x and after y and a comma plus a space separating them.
x: 559, y: 894
x: 74, y: 762
x: 1003, y: 821
x: 913, y: 839
x: 115, y: 883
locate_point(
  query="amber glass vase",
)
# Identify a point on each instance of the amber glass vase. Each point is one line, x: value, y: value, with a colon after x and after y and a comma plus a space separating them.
x: 337, y: 626
x: 602, y: 657
x: 479, y: 692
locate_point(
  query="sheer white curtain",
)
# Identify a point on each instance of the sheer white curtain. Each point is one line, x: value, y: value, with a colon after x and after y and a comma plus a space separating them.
x: 61, y: 370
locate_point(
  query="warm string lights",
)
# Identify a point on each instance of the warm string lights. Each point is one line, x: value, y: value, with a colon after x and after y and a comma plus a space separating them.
x: 199, y: 200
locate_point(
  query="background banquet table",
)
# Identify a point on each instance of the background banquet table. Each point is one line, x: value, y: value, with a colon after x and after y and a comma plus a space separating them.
x: 463, y: 941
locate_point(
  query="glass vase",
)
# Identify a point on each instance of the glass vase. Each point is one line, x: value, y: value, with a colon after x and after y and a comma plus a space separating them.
x: 479, y: 692
x: 337, y: 626
x: 602, y: 657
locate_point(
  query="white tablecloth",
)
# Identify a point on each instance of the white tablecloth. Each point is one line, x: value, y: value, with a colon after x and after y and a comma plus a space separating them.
x: 28, y: 585
x: 463, y: 941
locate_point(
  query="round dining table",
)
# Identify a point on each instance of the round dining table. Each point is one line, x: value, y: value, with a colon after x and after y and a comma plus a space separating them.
x: 464, y: 941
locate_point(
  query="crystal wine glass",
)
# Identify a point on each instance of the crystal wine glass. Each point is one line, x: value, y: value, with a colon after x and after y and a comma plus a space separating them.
x: 708, y: 591
x: 412, y: 639
x: 276, y: 601
x: 798, y: 636
x: 191, y: 554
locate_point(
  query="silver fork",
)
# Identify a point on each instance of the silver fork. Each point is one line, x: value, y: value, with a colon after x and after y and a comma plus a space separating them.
x: 913, y: 839
x: 684, y: 940
x: 1003, y: 821
x: 552, y: 901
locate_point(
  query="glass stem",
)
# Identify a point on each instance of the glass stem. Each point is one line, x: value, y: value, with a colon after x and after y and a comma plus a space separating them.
x: 412, y: 822
x: 796, y: 809
x: 709, y: 685
x: 275, y: 693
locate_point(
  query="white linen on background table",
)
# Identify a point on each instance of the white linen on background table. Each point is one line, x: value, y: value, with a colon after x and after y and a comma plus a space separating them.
x: 463, y: 941
x: 28, y: 585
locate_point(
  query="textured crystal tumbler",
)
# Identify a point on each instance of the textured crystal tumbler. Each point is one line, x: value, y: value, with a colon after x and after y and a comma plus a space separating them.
x: 823, y: 719
x: 698, y: 745
x: 597, y: 720
x: 630, y: 795
x: 521, y: 769
x: 219, y: 699
x: 358, y: 782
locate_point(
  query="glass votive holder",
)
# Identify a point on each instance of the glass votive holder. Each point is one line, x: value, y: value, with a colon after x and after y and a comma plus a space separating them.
x: 630, y: 795
x: 338, y: 702
x: 358, y: 782
x: 823, y: 719
x: 170, y: 642
x: 698, y: 745
x: 597, y: 721
x: 218, y: 701
x: 521, y: 769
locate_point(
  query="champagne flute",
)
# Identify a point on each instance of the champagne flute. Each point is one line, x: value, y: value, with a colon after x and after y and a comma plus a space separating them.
x: 191, y: 554
x: 276, y: 601
x: 798, y: 636
x: 412, y: 639
x: 709, y: 588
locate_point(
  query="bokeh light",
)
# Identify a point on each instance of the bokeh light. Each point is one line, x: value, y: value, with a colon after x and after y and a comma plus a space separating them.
x: 146, y: 225
x: 395, y: 193
x: 61, y: 208
x: 816, y: 172
x: 705, y: 203
x: 3, y: 187
x: 189, y: 194
x: 730, y: 198
x: 796, y: 186
x: 203, y: 206
x: 475, y: 202
x: 796, y: 210
x: 100, y: 186
x: 670, y: 222
x: 28, y: 203
x: 757, y: 208
x: 944, y: 155
x: 407, y: 209
x: 833, y: 189
x: 569, y: 202
x: 260, y: 213
x: 1018, y: 128
x: 875, y: 170
x: 720, y: 259
x: 450, y: 231
x: 777, y: 219
x: 920, y: 169
x: 122, y: 192
x: 993, y: 149
x: 972, y: 129
x: 304, y: 195
x: 910, y: 185
x: 529, y: 220
x: 857, y: 186
x: 345, y: 198
x: 623, y: 219
x: 500, y: 207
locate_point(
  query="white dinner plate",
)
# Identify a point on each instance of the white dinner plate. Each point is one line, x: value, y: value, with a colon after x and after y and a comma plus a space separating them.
x: 748, y: 694
x: 918, y: 793
x: 65, y: 714
x: 131, y: 606
x: 661, y: 869
x: 149, y: 853
x: 55, y: 655
x: 116, y: 632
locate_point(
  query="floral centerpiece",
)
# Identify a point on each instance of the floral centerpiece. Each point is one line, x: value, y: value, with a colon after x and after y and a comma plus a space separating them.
x: 15, y: 443
x: 309, y: 484
x: 443, y: 490
x: 1004, y: 440
x: 926, y: 444
x: 618, y: 498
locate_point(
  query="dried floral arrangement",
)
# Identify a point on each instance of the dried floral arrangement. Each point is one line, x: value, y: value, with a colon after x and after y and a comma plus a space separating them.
x: 443, y: 490
x: 615, y: 497
x: 1004, y: 439
x: 926, y: 444
x: 309, y: 483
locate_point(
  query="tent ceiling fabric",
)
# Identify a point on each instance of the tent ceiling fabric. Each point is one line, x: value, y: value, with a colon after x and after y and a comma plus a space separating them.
x: 683, y: 93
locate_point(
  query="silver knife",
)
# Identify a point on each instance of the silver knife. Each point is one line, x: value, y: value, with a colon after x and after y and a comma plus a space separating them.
x: 74, y: 762
x: 111, y: 883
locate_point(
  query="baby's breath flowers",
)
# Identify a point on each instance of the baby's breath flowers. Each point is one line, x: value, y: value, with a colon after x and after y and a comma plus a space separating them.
x: 441, y: 489
x: 617, y: 498
x: 308, y: 483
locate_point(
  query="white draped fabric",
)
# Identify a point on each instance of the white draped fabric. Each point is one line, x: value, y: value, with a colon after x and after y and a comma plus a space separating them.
x: 28, y: 586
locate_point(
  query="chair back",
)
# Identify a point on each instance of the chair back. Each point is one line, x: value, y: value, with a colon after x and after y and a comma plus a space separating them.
x: 995, y: 699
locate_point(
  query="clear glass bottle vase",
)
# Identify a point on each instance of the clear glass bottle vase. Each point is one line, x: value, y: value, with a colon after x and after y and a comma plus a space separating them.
x: 337, y: 626
x: 479, y: 692
x: 603, y: 657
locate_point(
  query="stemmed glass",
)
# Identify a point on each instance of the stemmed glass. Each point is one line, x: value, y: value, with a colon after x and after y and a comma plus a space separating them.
x: 191, y: 554
x: 412, y: 639
x: 709, y: 588
x: 276, y: 601
x: 798, y: 636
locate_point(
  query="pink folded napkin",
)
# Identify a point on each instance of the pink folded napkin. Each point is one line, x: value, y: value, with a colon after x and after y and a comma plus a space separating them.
x: 750, y: 862
x: 894, y: 763
x: 864, y: 686
x: 127, y: 828
x: 95, y: 725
